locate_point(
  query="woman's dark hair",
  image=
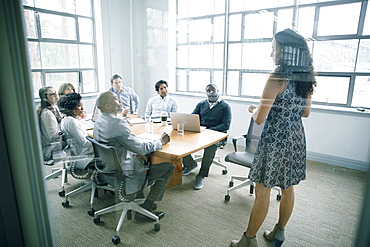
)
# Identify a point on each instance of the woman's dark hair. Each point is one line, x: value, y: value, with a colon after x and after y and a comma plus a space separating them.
x: 44, y: 104
x: 295, y: 61
x: 68, y: 102
x: 158, y: 84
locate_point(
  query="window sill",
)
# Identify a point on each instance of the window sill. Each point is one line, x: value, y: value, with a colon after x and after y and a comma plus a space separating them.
x: 315, y: 107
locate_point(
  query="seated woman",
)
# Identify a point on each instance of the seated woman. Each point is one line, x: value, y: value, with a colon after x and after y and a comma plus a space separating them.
x: 49, y: 119
x: 71, y: 105
x: 66, y: 88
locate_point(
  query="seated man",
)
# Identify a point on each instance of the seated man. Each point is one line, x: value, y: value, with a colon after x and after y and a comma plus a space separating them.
x: 162, y: 102
x: 215, y: 114
x: 115, y: 132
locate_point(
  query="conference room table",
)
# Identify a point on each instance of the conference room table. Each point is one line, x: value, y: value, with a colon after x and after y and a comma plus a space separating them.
x: 178, y: 147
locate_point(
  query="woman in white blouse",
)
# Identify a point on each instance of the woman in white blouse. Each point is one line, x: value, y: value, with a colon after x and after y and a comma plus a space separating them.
x: 49, y: 119
x: 71, y: 105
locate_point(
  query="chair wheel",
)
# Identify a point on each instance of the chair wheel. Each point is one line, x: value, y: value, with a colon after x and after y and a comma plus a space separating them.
x: 278, y: 197
x: 231, y: 184
x: 96, y: 219
x: 62, y: 193
x: 224, y: 172
x: 227, y: 198
x: 65, y: 203
x: 157, y: 227
x: 116, y: 240
x: 91, y: 212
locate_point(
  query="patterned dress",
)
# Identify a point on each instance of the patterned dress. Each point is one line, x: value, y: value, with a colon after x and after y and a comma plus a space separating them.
x: 280, y: 158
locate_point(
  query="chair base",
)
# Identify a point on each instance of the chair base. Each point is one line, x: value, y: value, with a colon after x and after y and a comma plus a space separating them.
x: 245, y: 182
x: 216, y: 161
x: 56, y: 172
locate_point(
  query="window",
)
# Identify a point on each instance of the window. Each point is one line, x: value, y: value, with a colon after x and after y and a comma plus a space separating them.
x: 233, y: 41
x: 61, y: 43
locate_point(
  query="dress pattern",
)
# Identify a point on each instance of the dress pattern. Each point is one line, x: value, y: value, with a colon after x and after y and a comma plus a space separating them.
x: 280, y: 158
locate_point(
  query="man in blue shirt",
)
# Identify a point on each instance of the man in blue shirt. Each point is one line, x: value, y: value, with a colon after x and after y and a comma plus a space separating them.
x: 129, y: 99
x: 215, y: 114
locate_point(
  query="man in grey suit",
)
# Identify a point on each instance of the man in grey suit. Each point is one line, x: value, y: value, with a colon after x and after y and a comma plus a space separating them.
x: 114, y: 131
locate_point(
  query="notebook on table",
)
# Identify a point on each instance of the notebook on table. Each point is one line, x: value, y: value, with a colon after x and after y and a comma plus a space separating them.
x: 191, y: 121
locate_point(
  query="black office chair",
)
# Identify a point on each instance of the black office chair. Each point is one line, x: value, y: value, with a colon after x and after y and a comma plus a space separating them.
x: 112, y: 174
x: 216, y: 160
x: 246, y: 158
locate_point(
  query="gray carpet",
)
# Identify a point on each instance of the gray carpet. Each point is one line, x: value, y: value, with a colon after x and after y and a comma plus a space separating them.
x: 326, y: 213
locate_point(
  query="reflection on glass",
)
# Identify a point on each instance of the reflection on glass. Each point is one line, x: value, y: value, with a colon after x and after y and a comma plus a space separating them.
x: 259, y: 25
x: 88, y: 77
x: 57, y: 27
x: 83, y: 7
x: 55, y: 79
x: 218, y: 80
x: 363, y: 57
x: 200, y: 56
x: 56, y: 55
x: 200, y: 30
x: 85, y: 30
x: 284, y: 19
x: 34, y: 55
x: 338, y: 55
x: 235, y: 23
x: 361, y: 93
x: 257, y: 56
x: 182, y: 56
x: 331, y: 89
x: 235, y: 56
x: 57, y: 5
x: 253, y: 83
x: 218, y: 56
x: 233, y: 83
x: 306, y: 19
x: 200, y: 8
x: 345, y: 17
x: 366, y: 30
x: 181, y: 78
x: 218, y: 28
x: 198, y: 80
x: 29, y: 17
x: 36, y: 81
x: 183, y: 9
x: 182, y: 32
x: 86, y: 56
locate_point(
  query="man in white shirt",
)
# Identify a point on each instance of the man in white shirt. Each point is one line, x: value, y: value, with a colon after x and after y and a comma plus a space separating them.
x: 161, y: 102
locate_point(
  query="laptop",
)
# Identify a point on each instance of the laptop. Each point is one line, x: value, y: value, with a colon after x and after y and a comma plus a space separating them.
x: 191, y: 121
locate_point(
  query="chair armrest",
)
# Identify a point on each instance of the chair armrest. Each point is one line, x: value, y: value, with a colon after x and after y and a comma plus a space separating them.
x: 235, y: 139
x: 98, y: 169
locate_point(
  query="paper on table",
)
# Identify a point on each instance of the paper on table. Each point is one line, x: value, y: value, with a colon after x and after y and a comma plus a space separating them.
x: 135, y: 120
x: 149, y: 136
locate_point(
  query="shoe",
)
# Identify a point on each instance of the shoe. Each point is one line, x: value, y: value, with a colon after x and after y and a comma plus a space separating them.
x: 49, y: 163
x: 244, y: 242
x: 198, y: 184
x: 276, y: 235
x: 187, y: 170
x: 143, y: 218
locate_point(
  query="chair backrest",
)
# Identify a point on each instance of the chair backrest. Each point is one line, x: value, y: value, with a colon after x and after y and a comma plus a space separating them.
x: 253, y: 136
x: 107, y: 155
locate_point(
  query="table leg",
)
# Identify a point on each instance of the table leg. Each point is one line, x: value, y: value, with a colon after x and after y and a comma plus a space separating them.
x: 176, y: 178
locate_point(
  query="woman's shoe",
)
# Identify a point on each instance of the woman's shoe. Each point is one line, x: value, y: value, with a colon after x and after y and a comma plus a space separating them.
x: 244, y: 242
x: 276, y: 235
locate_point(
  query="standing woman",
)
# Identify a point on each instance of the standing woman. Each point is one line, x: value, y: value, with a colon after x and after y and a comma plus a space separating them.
x: 71, y: 105
x: 49, y: 120
x: 280, y: 159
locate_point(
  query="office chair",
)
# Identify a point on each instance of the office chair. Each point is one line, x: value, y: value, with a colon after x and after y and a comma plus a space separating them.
x: 246, y: 158
x: 216, y: 160
x: 113, y: 176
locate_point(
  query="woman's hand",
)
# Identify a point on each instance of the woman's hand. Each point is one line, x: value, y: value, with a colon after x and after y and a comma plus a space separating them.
x: 252, y: 108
